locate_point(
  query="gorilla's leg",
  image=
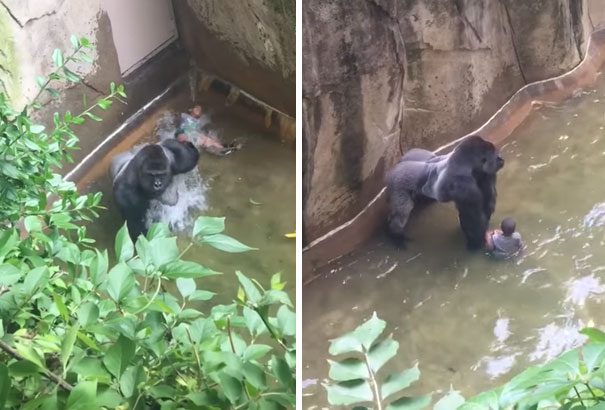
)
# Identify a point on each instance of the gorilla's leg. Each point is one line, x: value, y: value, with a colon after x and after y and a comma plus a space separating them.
x: 400, y: 203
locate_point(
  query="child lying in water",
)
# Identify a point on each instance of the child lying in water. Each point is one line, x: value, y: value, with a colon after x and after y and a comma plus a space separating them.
x: 506, y: 242
x: 190, y: 130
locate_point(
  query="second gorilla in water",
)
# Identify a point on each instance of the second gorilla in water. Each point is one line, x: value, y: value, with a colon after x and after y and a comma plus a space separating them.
x: 145, y: 173
x: 466, y: 176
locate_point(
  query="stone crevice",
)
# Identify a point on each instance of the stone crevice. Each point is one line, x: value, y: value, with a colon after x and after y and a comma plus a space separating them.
x: 11, y: 14
x: 513, y: 42
x: 466, y: 21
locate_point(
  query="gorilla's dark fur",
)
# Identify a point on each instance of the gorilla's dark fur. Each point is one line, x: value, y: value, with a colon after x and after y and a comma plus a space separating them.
x: 145, y: 173
x: 466, y: 176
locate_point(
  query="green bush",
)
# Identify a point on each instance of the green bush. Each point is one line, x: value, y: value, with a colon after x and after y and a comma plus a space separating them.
x: 79, y: 332
x: 574, y: 381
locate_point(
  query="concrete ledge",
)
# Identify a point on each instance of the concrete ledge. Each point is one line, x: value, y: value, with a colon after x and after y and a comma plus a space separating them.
x: 347, y: 237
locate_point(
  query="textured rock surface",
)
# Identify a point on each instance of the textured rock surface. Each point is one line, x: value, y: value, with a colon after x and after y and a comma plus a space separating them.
x: 381, y: 76
x: 250, y: 43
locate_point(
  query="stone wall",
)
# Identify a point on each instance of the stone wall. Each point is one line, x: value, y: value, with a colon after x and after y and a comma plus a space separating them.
x: 381, y: 76
x: 250, y: 44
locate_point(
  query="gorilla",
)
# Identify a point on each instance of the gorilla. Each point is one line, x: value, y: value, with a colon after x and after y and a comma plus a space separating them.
x: 145, y: 173
x: 466, y: 176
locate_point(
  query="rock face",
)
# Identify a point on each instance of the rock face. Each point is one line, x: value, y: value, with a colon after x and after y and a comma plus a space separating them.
x: 382, y: 76
x: 251, y: 44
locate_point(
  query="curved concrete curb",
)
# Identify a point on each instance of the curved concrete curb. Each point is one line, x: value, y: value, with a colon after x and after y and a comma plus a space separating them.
x: 347, y: 237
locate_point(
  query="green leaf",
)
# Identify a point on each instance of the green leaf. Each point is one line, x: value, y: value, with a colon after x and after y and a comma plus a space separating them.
x: 36, y: 129
x: 164, y: 251
x: 32, y: 224
x: 275, y: 297
x: 104, y: 104
x: 593, y: 355
x: 98, y: 267
x: 119, y: 355
x: 132, y: 377
x: 28, y: 353
x: 252, y: 293
x: 350, y: 392
x: 9, y: 275
x: 231, y: 387
x: 5, y: 384
x: 396, y: 382
x: 281, y: 370
x: 186, y: 286
x: 286, y: 321
x: 93, y: 116
x: 256, y: 351
x: 91, y: 369
x: 410, y: 403
x: 52, y: 92
x: 124, y: 245
x: 451, y: 401
x: 67, y: 345
x: 157, y: 230
x: 74, y: 41
x: 225, y: 243
x: 381, y: 353
x: 595, y: 335
x: 348, y: 369
x: 359, y: 339
x: 120, y: 281
x: 88, y: 314
x: 83, y: 396
x: 71, y: 76
x: 35, y: 279
x: 208, y: 225
x: 185, y: 269
x: 58, y: 58
x: 276, y: 283
x: 9, y: 238
x: 40, y: 81
x: 201, y: 295
x: 23, y: 368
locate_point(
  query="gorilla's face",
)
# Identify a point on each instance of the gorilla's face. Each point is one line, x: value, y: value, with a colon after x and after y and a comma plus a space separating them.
x: 482, y: 154
x: 154, y: 174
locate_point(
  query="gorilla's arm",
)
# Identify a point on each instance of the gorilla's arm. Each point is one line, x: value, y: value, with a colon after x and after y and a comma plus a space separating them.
x: 186, y: 156
x: 469, y: 200
x: 487, y: 185
x: 132, y: 206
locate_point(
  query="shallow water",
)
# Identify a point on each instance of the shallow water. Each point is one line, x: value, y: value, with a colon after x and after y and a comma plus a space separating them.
x: 470, y: 321
x: 262, y: 171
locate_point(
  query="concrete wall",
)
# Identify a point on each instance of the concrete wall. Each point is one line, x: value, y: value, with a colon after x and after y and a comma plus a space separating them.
x: 29, y: 32
x: 382, y: 76
x: 251, y: 44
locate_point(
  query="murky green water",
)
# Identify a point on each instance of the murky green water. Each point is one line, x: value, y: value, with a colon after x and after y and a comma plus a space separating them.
x: 262, y: 171
x: 470, y: 321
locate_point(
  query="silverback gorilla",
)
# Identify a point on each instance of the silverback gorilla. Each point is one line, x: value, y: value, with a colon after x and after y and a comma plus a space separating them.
x: 144, y: 173
x: 466, y: 176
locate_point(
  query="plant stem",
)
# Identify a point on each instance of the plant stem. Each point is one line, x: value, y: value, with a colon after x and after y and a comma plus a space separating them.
x: 233, y: 350
x: 271, y: 331
x: 47, y: 373
x: 197, y: 359
x: 579, y: 397
x: 373, y: 383
x: 594, y: 396
x: 185, y: 251
x: 157, y: 290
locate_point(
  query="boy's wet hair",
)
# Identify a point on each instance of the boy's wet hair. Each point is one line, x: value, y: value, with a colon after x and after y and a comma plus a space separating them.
x: 508, y: 226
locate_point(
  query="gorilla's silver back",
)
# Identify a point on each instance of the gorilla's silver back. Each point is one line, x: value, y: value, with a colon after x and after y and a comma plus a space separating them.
x: 120, y: 161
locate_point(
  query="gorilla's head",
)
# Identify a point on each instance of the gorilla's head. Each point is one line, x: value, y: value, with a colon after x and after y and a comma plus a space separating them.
x: 480, y: 154
x: 154, y: 172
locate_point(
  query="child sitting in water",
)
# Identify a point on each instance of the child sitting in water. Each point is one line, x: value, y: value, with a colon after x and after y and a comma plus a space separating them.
x: 506, y: 242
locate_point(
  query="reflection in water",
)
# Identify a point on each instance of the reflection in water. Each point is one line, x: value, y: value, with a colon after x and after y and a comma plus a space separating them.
x: 470, y: 321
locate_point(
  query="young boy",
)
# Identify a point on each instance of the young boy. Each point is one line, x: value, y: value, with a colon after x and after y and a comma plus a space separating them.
x: 189, y: 124
x: 506, y: 242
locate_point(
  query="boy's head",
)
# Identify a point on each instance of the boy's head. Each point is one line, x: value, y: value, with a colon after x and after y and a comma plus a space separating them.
x: 508, y: 226
x: 196, y: 111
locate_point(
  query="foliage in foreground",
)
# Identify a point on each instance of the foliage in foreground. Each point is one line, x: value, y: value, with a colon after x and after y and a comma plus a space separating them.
x: 78, y: 333
x: 574, y: 381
